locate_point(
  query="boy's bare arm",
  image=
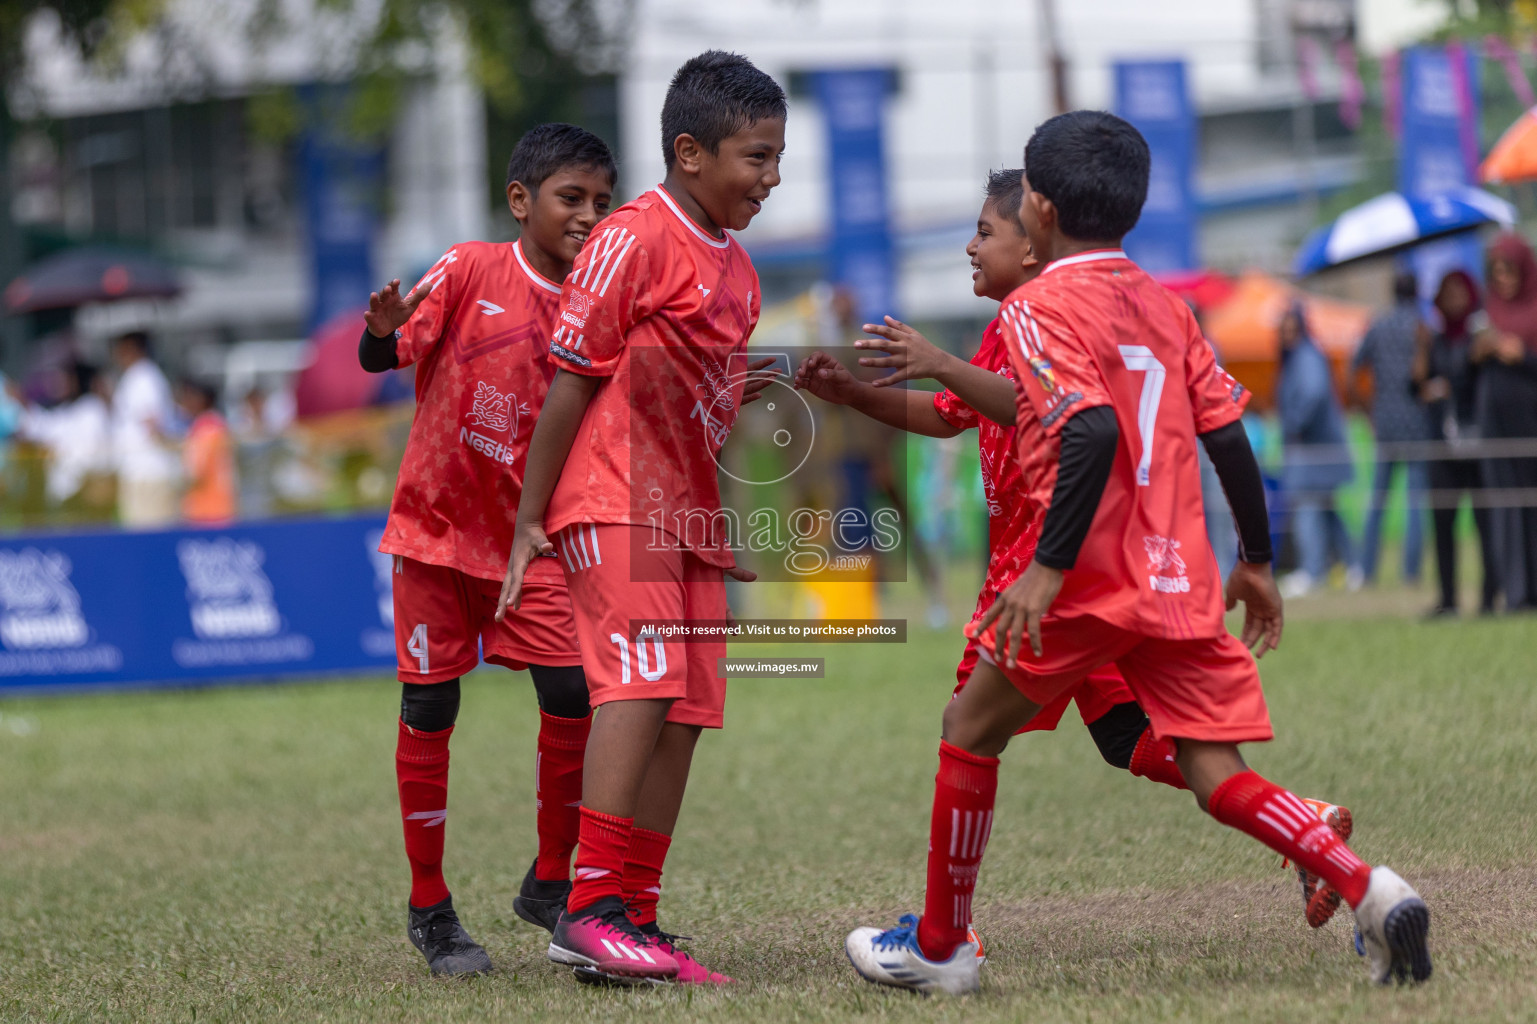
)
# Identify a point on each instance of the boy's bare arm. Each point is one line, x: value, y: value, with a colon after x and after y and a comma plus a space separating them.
x: 913, y: 356
x: 554, y: 433
x: 913, y: 411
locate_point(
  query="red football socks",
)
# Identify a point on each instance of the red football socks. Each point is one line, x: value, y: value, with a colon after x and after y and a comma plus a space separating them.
x: 1154, y: 759
x: 558, y: 792
x: 603, y: 840
x: 1284, y: 823
x: 643, y: 873
x: 964, y: 791
x: 421, y: 774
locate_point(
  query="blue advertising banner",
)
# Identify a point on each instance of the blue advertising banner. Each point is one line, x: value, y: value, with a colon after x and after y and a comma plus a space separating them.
x: 861, y: 255
x: 343, y: 179
x: 1153, y: 96
x: 191, y: 606
x: 1439, y: 148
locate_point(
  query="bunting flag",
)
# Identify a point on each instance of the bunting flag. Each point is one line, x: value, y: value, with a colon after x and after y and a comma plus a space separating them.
x: 1393, y: 95
x: 1352, y: 92
x: 1307, y: 68
x: 1510, y: 60
x: 1467, y: 115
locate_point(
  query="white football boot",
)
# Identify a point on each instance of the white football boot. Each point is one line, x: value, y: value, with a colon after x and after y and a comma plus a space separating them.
x: 1393, y: 922
x: 892, y: 957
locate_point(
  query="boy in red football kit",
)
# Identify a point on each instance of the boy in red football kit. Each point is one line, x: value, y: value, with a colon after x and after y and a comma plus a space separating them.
x: 477, y: 326
x: 980, y: 394
x: 650, y: 345
x: 1116, y: 383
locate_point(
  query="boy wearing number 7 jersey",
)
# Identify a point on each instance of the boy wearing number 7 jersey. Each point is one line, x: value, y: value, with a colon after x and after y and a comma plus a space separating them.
x: 1116, y: 386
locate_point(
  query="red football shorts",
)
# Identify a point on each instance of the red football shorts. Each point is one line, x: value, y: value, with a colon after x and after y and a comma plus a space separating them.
x: 444, y: 618
x: 1205, y: 689
x: 617, y: 586
x: 1102, y: 690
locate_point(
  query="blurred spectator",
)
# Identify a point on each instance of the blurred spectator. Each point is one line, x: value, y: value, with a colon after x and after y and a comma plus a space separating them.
x: 1507, y: 411
x: 208, y: 458
x: 142, y: 417
x: 1397, y: 419
x: 1317, y: 459
x: 75, y: 429
x: 1220, y: 530
x: 1446, y: 380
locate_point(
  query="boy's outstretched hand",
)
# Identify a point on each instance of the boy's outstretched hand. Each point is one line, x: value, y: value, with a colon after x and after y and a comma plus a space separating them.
x: 1255, y: 587
x: 759, y: 376
x: 388, y: 310
x: 828, y: 379
x: 528, y: 543
x: 1017, y: 613
x: 913, y: 356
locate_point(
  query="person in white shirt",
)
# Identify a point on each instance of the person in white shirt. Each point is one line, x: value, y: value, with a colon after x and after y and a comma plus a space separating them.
x: 148, y: 471
x: 76, y: 431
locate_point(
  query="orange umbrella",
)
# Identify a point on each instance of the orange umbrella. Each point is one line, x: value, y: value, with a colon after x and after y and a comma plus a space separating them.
x: 1514, y: 157
x: 1245, y: 329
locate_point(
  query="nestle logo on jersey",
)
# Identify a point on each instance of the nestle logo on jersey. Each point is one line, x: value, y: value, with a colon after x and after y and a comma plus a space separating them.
x: 576, y: 309
x: 1163, y: 557
x: 574, y: 321
x: 483, y: 444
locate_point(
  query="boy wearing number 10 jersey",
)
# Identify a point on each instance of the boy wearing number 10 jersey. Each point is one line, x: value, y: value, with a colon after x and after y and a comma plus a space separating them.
x: 476, y: 328
x: 1116, y: 384
x: 650, y: 350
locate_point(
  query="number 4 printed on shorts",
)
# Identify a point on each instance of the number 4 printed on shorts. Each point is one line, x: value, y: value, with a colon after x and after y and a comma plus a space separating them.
x: 417, y: 647
x: 1140, y: 359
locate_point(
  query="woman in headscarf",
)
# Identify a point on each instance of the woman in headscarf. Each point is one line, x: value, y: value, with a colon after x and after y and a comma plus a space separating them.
x: 1317, y: 456
x: 1445, y: 379
x: 1506, y: 351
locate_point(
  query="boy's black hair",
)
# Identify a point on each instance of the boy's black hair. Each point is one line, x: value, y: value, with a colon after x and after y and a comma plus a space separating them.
x: 714, y: 96
x: 138, y: 339
x: 1406, y: 286
x: 547, y: 148
x: 1093, y: 166
x: 1006, y: 192
x: 206, y: 392
x: 85, y: 376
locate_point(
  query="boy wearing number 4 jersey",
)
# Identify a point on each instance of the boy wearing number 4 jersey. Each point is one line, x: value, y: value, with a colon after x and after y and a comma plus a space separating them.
x: 1116, y: 384
x: 621, y: 483
x: 477, y: 327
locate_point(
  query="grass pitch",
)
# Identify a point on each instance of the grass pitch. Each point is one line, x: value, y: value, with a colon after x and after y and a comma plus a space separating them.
x: 236, y: 855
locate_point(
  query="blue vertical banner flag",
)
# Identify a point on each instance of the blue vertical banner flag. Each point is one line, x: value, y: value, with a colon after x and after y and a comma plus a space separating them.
x: 1439, y: 148
x: 343, y: 185
x: 1153, y: 96
x: 861, y: 256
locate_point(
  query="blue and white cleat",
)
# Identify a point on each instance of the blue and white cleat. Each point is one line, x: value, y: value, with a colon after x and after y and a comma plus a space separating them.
x: 892, y: 957
x: 1393, y: 922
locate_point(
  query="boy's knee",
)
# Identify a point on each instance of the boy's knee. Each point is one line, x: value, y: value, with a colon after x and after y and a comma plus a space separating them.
x: 1117, y: 732
x: 429, y: 707
x: 561, y: 689
x: 980, y: 738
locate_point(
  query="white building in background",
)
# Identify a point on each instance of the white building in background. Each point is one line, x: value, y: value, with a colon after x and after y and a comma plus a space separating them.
x: 164, y: 150
x: 975, y: 77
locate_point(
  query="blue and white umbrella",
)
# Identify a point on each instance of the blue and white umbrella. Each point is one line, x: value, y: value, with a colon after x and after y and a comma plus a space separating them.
x: 1394, y: 221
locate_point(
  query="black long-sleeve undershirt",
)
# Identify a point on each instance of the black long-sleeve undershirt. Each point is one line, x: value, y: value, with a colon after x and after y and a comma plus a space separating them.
x: 1233, y: 459
x: 376, y: 355
x: 1089, y: 442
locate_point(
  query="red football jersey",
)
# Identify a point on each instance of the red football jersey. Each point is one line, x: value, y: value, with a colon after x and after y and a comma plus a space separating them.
x: 1012, y: 528
x: 479, y: 341
x: 1095, y: 330
x: 663, y: 311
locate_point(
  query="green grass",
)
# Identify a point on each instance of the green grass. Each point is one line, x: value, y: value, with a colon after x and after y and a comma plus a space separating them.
x: 235, y: 854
